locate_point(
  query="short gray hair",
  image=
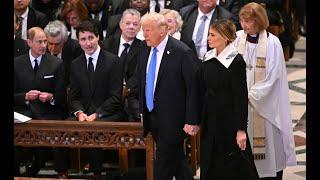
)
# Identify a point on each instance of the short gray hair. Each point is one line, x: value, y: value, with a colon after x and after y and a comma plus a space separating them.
x: 176, y: 16
x: 55, y: 28
x: 155, y: 17
x: 132, y: 12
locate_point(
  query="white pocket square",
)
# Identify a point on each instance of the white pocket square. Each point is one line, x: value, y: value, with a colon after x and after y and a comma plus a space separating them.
x: 49, y: 76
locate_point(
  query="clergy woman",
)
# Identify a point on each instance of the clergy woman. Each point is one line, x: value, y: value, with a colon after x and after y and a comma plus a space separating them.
x: 269, y: 124
x: 225, y: 151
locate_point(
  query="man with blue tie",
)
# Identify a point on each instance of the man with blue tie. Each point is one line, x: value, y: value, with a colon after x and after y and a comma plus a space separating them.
x: 168, y: 95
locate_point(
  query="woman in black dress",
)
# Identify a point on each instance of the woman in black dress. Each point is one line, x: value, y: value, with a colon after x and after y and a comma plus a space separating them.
x: 225, y: 149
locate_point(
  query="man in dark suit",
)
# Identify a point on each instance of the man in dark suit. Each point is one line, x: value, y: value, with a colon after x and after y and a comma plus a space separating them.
x: 20, y: 45
x: 127, y: 47
x: 100, y: 10
x: 39, y: 92
x: 49, y: 7
x: 95, y: 86
x: 157, y: 5
x: 28, y: 17
x: 169, y: 100
x: 141, y: 6
x: 62, y: 46
x: 197, y: 18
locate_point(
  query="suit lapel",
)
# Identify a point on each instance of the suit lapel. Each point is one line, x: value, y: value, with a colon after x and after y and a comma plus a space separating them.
x: 28, y: 65
x: 192, y: 23
x: 214, y: 15
x: 145, y: 54
x: 99, y: 67
x: 132, y: 52
x: 164, y: 61
x: 42, y: 66
x: 83, y: 70
x: 115, y: 45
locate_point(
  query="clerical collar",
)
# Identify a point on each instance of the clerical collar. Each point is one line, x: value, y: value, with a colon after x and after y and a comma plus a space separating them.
x: 253, y: 38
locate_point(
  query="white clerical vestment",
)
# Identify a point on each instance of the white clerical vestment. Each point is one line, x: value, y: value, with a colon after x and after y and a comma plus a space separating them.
x: 270, y: 99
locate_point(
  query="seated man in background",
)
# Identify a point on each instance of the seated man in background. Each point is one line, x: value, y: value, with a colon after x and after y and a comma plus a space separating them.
x: 127, y: 47
x: 62, y: 46
x: 20, y: 45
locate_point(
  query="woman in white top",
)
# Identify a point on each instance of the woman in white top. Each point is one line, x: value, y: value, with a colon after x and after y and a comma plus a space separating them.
x: 270, y: 126
x: 174, y: 22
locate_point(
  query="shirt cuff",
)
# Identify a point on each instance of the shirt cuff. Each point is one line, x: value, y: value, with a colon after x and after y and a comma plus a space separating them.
x: 75, y: 114
x: 52, y: 101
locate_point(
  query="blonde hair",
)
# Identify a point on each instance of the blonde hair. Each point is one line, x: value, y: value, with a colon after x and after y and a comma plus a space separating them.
x: 176, y: 16
x: 256, y: 12
x: 225, y: 28
x: 154, y: 17
x: 32, y: 32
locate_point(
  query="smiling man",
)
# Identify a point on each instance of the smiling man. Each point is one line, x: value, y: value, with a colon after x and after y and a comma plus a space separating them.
x: 95, y: 86
x: 125, y: 44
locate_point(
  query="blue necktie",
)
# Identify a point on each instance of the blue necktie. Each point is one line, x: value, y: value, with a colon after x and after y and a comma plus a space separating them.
x: 199, y: 34
x: 151, y: 74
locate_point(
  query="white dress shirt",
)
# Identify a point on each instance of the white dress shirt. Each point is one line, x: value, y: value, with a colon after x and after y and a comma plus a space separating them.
x: 122, y: 47
x: 93, y: 15
x: 24, y: 24
x: 160, y: 52
x: 73, y: 33
x: 153, y: 5
x: 33, y: 58
x: 95, y: 57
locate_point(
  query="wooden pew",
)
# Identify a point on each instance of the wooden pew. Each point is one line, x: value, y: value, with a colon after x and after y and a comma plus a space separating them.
x: 74, y: 134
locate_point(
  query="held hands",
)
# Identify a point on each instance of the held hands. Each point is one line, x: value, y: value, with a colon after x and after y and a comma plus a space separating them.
x: 241, y: 139
x: 84, y: 117
x: 35, y: 94
x: 32, y: 95
x: 44, y: 96
x: 92, y: 117
x: 191, y: 129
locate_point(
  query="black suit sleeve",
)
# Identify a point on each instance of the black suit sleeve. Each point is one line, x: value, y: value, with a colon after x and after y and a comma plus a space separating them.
x: 113, y: 104
x: 240, y: 92
x: 74, y: 95
x: 189, y: 65
x: 19, y: 95
x: 59, y: 93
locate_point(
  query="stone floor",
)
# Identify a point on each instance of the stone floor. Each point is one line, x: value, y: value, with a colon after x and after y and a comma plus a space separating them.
x: 296, y: 71
x: 296, y: 74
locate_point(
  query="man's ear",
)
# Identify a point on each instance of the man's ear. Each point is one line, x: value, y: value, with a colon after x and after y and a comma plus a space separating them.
x: 29, y: 42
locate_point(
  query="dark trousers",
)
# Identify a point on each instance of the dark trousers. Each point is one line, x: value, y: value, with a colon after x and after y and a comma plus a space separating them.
x: 94, y: 156
x: 170, y: 160
x: 278, y: 177
x: 38, y: 156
